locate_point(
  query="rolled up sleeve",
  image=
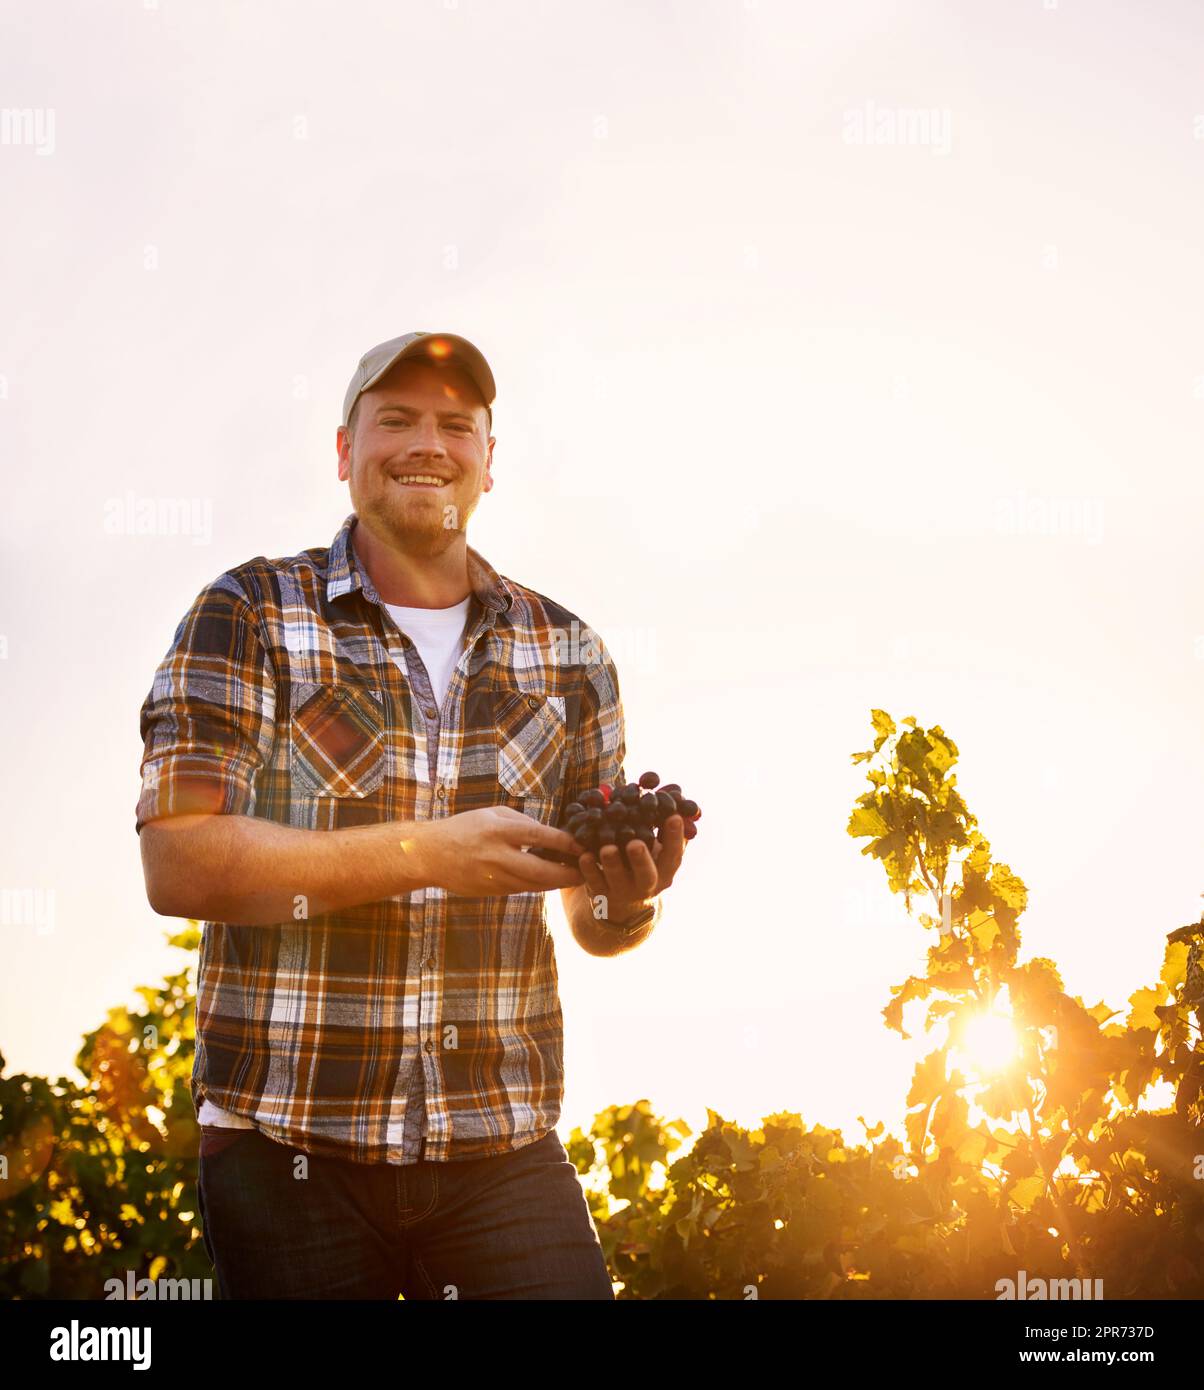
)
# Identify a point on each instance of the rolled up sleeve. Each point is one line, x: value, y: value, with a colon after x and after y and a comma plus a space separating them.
x: 599, y: 744
x: 208, y: 723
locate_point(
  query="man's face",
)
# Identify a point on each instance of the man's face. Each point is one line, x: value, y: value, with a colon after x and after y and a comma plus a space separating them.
x: 418, y: 422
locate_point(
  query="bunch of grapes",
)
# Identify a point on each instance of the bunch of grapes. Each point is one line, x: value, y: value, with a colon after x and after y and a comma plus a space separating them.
x: 619, y: 815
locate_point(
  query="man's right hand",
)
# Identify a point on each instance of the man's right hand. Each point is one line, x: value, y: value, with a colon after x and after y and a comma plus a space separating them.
x: 228, y: 868
x: 480, y: 854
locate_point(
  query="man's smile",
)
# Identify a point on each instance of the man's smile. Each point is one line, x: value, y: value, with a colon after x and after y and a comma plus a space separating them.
x: 420, y: 480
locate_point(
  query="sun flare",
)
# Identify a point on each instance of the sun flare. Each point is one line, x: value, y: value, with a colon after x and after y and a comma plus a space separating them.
x: 989, y: 1043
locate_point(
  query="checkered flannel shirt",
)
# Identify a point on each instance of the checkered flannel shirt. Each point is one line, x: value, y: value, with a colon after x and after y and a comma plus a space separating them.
x: 427, y: 1025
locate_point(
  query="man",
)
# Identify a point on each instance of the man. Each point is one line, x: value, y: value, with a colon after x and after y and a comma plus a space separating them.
x: 348, y: 754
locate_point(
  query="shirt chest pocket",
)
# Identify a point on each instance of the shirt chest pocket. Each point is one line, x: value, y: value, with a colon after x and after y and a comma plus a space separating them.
x: 532, y: 742
x: 337, y: 740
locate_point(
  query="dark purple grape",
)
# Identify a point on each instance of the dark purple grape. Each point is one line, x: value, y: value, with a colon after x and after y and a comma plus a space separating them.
x: 633, y: 811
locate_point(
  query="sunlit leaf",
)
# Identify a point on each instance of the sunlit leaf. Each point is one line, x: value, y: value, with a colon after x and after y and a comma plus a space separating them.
x: 884, y: 725
x: 865, y: 820
x: 1143, y: 1002
x: 1174, y: 965
x: 928, y: 1079
x: 1026, y: 1191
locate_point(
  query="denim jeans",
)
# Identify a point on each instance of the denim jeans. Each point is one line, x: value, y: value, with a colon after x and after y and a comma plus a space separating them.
x: 511, y: 1226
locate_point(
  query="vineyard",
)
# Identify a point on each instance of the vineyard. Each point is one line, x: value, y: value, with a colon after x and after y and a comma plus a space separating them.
x: 1077, y: 1154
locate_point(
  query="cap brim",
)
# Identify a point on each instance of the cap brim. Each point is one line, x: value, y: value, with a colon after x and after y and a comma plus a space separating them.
x: 440, y: 349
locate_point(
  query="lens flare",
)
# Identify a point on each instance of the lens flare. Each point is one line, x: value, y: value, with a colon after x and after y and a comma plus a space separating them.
x: 989, y: 1043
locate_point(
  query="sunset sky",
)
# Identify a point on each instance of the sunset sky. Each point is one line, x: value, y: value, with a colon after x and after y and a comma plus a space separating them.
x: 848, y: 356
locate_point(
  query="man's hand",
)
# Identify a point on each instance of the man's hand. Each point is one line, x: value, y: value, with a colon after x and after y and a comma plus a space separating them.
x: 628, y: 890
x: 479, y: 854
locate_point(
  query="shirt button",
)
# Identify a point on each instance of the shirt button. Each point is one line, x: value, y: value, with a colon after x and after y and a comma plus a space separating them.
x: 440, y: 792
x: 533, y: 701
x: 428, y: 1046
x: 429, y: 712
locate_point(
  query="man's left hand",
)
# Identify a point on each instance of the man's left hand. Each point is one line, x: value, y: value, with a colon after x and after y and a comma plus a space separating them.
x: 628, y: 890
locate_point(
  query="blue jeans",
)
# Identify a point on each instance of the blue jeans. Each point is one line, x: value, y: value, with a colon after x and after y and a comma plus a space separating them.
x: 512, y: 1226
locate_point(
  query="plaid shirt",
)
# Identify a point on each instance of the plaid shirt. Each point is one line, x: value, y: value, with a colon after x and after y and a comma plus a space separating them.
x: 427, y: 1025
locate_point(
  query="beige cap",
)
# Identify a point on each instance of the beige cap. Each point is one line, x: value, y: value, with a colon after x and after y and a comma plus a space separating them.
x: 428, y: 347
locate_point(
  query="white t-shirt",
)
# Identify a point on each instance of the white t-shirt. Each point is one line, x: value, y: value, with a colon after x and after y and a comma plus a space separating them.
x: 437, y: 633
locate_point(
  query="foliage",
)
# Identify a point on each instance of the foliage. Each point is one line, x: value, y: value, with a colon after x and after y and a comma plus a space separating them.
x: 1056, y: 1162
x: 102, y: 1176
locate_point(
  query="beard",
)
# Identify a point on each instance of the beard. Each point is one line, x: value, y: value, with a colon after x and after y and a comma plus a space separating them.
x: 416, y: 524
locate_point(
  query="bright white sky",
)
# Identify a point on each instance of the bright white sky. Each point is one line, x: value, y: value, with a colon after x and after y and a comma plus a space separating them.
x: 768, y: 403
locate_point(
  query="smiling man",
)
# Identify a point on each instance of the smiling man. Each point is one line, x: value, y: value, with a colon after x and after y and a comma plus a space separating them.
x: 348, y: 754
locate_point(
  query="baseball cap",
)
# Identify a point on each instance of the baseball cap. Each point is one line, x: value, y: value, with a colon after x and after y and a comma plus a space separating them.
x: 437, y: 348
